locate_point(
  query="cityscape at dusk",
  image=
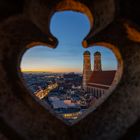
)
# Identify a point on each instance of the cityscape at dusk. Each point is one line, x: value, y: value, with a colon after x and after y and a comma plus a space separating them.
x: 70, y: 79
x: 70, y: 70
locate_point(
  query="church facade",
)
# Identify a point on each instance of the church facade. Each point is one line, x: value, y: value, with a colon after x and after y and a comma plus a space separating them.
x: 98, y: 81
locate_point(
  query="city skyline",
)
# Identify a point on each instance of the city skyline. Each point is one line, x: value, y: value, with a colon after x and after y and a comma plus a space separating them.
x: 68, y: 56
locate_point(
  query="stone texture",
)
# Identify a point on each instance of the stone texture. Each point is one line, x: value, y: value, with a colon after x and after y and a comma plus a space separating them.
x: 23, y: 117
x: 2, y: 137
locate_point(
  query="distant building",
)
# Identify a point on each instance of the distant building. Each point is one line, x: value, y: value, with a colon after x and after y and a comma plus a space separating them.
x: 96, y: 82
x: 71, y: 76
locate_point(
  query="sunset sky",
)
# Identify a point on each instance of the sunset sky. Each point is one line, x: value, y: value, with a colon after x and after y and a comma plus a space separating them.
x: 70, y: 28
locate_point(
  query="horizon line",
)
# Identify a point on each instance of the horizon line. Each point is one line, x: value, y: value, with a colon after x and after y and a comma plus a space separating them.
x: 36, y: 71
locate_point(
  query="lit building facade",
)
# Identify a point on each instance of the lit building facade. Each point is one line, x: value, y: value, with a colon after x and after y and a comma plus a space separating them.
x: 96, y: 82
x: 86, y: 68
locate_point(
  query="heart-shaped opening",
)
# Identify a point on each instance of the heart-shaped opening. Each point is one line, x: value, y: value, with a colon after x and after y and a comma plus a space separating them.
x: 70, y: 79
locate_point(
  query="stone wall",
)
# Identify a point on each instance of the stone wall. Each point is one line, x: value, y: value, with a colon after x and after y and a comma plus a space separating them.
x: 23, y: 117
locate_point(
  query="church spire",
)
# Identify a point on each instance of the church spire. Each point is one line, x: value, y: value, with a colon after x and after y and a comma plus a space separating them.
x: 97, y: 61
x: 86, y: 68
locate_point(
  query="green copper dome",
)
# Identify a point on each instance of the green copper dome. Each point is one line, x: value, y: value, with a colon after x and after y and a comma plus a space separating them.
x: 86, y: 53
x: 97, y: 53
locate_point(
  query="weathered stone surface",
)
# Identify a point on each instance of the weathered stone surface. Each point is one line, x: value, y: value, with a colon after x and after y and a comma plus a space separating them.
x: 23, y: 117
x: 2, y: 137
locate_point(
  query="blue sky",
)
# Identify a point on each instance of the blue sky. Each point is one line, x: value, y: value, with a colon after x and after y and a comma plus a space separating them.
x: 70, y: 28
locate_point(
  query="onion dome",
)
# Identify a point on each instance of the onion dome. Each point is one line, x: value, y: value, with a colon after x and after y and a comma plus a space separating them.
x: 97, y: 53
x: 86, y: 53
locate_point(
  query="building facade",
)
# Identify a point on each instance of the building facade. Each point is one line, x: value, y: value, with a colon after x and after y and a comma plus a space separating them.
x: 96, y: 82
x: 86, y: 68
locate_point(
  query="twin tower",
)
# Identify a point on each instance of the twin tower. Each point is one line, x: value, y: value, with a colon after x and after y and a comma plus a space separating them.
x: 87, y: 66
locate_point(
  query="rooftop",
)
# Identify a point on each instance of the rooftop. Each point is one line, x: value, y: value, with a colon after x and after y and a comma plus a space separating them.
x: 102, y: 77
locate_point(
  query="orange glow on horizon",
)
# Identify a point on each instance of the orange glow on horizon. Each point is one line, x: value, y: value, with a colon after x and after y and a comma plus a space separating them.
x: 67, y: 70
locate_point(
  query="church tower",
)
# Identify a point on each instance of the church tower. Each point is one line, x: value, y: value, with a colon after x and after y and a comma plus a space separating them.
x: 97, y: 61
x: 86, y: 68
